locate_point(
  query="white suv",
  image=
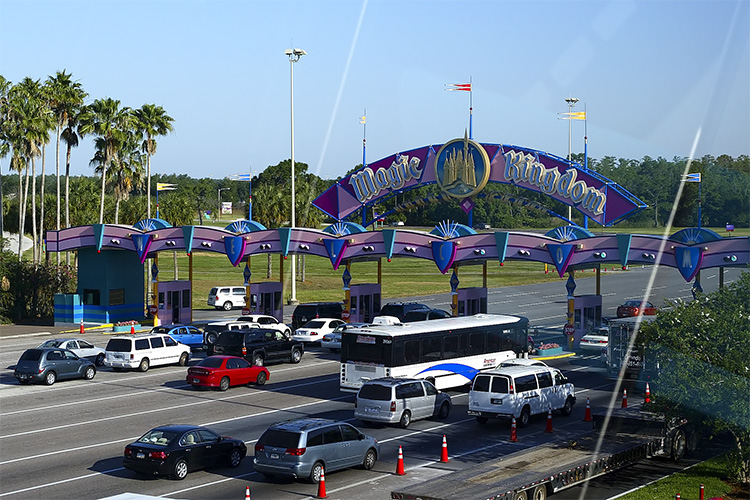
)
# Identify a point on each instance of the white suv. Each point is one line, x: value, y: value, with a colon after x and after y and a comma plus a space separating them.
x: 143, y: 350
x: 266, y: 321
x: 226, y: 297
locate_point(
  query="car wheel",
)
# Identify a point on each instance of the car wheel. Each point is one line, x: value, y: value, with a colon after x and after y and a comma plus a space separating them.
x: 523, y: 419
x: 144, y: 365
x: 224, y: 384
x: 50, y: 378
x: 296, y: 356
x: 211, y: 338
x: 405, y: 419
x: 258, y: 359
x: 90, y: 373
x: 568, y: 408
x: 482, y: 420
x: 180, y: 470
x: 235, y: 458
x: 100, y: 360
x: 445, y: 409
x: 370, y: 458
x: 287, y: 333
x: 261, y: 380
x: 183, y: 359
x: 316, y: 472
x: 227, y: 306
x: 679, y: 444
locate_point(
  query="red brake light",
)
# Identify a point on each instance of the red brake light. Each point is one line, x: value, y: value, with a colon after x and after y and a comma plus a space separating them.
x: 244, y: 351
x: 259, y: 448
x: 313, y: 333
x: 511, y: 389
x: 295, y: 451
x: 128, y: 452
x: 161, y: 455
x: 393, y: 406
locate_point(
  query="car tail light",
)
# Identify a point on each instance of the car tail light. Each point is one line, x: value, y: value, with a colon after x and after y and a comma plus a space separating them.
x: 132, y: 357
x: 160, y: 455
x: 295, y: 451
x: 259, y: 448
x: 313, y: 333
x: 128, y: 452
x: 244, y: 351
x: 510, y: 389
x: 393, y: 406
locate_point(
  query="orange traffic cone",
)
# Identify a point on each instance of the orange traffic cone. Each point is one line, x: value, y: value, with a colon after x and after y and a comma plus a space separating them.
x: 132, y: 329
x: 513, y: 436
x: 400, y: 463
x: 587, y: 415
x: 549, y: 421
x: 648, y: 393
x: 322, y: 485
x: 624, y: 398
x: 444, y: 454
x: 247, y: 492
x: 81, y: 330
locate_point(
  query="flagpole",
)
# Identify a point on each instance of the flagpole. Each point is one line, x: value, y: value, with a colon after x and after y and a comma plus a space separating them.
x: 585, y: 156
x: 471, y: 109
x: 363, y: 121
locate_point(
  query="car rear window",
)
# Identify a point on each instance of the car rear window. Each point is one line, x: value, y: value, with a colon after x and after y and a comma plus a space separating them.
x: 160, y: 329
x: 31, y: 355
x: 315, y: 324
x: 375, y: 392
x: 481, y: 383
x: 231, y: 338
x: 306, y: 311
x: 118, y: 345
x: 213, y: 291
x: 280, y: 439
x: 210, y: 362
x: 51, y: 343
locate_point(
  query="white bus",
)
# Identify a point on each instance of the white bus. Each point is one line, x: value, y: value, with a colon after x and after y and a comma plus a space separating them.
x: 449, y: 352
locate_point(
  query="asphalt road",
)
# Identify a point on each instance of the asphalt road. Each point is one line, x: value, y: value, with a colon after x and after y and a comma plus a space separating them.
x: 66, y: 441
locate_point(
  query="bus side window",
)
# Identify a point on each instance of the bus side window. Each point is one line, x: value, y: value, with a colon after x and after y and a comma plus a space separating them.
x: 411, y: 351
x: 476, y: 343
x: 431, y: 349
x: 450, y: 347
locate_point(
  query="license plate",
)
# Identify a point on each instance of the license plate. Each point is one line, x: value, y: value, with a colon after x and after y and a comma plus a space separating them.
x: 196, y: 381
x: 274, y: 455
x: 140, y: 455
x: 372, y: 410
x: 24, y: 377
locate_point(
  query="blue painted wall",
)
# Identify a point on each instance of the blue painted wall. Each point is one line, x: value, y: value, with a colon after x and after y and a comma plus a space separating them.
x: 107, y: 271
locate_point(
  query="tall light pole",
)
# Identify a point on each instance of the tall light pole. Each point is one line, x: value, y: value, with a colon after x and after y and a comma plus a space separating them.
x: 218, y: 214
x: 294, y: 56
x: 571, y: 102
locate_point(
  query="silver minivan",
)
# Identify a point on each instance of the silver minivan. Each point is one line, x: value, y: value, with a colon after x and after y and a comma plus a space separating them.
x: 303, y: 448
x: 391, y: 400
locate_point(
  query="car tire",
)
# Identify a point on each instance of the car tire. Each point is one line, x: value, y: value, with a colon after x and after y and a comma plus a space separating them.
x: 183, y: 359
x: 370, y: 458
x: 482, y: 420
x: 679, y: 445
x: 258, y: 359
x: 100, y: 360
x: 261, y: 379
x: 405, y: 419
x: 224, y: 384
x: 235, y: 458
x: 50, y: 378
x: 316, y: 472
x: 296, y: 356
x: 568, y: 408
x: 445, y: 410
x: 143, y: 367
x: 180, y: 470
x: 211, y: 338
x: 89, y: 373
x: 287, y: 333
x: 523, y: 419
x: 227, y: 306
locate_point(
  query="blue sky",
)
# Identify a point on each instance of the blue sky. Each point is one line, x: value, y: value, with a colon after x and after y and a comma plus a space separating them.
x: 650, y: 73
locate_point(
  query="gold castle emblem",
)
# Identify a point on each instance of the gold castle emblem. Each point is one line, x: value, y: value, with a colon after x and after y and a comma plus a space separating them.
x: 462, y: 168
x: 459, y: 168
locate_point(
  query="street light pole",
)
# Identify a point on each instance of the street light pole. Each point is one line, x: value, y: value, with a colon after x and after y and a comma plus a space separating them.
x: 571, y: 102
x: 294, y: 56
x: 218, y: 213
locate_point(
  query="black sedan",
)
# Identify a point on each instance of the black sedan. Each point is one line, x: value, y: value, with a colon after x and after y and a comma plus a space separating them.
x: 50, y: 365
x: 175, y: 450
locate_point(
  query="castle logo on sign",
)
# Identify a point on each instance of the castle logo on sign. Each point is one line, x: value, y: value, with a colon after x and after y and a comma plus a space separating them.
x: 462, y: 168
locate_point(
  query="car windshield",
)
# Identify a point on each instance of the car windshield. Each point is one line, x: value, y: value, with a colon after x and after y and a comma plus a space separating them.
x: 118, y: 345
x: 279, y: 439
x: 50, y: 343
x: 375, y: 392
x: 314, y: 324
x: 211, y: 362
x: 31, y: 355
x: 158, y: 437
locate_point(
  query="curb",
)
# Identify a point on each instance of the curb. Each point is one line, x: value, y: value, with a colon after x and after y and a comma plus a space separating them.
x: 559, y: 356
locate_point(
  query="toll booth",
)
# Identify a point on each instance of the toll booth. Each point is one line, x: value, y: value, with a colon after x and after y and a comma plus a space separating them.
x: 364, y: 302
x: 471, y: 301
x: 265, y: 298
x: 174, y: 302
x: 587, y: 315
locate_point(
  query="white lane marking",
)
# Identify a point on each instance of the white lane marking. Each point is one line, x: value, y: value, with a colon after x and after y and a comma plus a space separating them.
x: 62, y: 481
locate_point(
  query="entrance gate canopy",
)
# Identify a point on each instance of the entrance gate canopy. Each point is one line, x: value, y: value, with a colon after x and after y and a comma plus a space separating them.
x: 462, y: 167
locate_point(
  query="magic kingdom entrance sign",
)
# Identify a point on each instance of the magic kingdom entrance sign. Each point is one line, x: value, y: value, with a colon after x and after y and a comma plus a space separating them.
x: 463, y: 167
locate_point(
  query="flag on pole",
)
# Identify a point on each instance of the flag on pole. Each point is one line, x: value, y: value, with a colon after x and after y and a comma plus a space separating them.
x: 161, y: 186
x: 691, y: 177
x: 575, y: 115
x: 466, y: 87
x: 363, y: 119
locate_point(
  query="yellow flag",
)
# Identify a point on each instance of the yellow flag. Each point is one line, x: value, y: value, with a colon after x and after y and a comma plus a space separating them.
x: 363, y: 119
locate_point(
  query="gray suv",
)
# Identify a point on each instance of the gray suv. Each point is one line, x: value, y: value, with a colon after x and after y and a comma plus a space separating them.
x: 305, y: 447
x: 391, y: 400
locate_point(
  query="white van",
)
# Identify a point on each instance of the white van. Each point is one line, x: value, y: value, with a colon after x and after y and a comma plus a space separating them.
x: 520, y: 392
x: 226, y: 297
x: 143, y: 350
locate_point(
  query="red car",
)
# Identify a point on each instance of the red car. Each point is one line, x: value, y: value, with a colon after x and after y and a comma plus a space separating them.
x: 634, y: 308
x: 225, y: 371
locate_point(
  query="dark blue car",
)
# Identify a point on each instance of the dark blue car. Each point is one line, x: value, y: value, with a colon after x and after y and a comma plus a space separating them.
x: 184, y: 334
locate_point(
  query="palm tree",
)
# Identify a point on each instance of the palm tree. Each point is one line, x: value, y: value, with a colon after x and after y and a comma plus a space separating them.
x: 125, y: 170
x: 66, y: 99
x: 4, y: 140
x: 151, y: 121
x: 105, y: 119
